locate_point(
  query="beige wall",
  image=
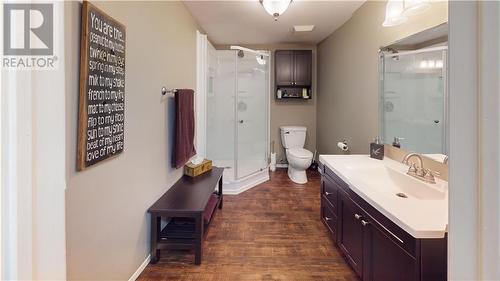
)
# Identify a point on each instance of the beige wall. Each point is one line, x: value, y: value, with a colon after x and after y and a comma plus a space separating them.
x: 106, y: 222
x: 290, y: 112
x: 348, y: 74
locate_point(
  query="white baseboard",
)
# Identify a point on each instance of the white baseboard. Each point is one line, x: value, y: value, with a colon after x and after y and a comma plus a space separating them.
x: 140, y: 269
x: 246, y: 183
x: 282, y: 166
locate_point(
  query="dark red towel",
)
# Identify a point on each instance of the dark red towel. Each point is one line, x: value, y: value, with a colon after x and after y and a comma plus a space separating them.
x: 183, y: 128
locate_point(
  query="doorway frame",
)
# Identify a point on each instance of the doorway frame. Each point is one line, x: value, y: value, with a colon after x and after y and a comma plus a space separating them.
x: 474, y: 196
x: 33, y: 145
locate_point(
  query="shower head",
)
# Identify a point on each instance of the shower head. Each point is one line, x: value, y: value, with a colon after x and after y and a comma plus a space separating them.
x: 241, y: 54
x: 263, y: 53
x: 391, y: 51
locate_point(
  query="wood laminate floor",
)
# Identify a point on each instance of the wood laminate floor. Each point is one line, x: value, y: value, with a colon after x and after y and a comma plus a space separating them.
x: 270, y: 232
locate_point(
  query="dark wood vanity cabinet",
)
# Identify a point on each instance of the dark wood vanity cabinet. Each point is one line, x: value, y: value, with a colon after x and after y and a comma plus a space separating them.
x: 374, y: 246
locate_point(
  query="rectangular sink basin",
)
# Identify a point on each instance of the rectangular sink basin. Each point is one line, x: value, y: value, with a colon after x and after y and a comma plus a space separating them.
x: 391, y: 182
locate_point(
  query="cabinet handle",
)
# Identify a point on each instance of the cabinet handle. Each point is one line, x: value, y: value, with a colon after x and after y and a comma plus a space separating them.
x: 328, y: 218
x: 393, y: 235
x: 356, y: 216
x: 364, y: 223
x: 328, y: 193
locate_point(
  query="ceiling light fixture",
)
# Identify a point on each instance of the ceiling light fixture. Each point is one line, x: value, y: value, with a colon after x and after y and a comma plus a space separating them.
x: 394, y: 13
x: 431, y: 64
x: 397, y: 11
x: 439, y: 64
x: 275, y: 7
x: 415, y: 7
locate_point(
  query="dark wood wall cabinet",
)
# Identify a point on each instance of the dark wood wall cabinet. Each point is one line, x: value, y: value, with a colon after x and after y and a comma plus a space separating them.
x: 293, y: 74
x: 374, y: 246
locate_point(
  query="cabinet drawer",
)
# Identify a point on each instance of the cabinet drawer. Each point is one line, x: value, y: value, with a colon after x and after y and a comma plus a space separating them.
x: 329, y: 218
x: 329, y: 190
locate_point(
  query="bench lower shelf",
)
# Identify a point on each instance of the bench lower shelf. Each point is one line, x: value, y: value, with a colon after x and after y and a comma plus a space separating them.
x: 180, y: 229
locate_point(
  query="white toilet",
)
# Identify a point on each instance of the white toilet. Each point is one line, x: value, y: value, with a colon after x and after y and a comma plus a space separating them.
x: 299, y: 159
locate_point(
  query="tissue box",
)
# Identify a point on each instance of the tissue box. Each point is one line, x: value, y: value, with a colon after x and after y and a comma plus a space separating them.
x: 193, y: 170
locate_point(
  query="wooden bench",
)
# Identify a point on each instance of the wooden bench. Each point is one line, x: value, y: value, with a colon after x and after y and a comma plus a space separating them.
x: 186, y: 204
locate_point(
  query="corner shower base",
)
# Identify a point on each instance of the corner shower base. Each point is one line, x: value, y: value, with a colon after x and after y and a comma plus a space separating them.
x: 232, y: 186
x: 241, y: 185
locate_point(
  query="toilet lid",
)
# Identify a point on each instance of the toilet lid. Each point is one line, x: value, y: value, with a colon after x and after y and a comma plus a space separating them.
x: 300, y: 153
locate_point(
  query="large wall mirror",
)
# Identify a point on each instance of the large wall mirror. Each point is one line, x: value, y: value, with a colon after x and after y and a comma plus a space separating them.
x: 413, y: 100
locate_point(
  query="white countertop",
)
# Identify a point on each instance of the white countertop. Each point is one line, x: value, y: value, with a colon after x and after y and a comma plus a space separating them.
x: 424, y: 214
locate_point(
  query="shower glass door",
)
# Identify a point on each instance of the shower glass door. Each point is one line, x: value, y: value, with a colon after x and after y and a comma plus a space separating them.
x: 237, y: 112
x: 252, y: 99
x: 221, y: 128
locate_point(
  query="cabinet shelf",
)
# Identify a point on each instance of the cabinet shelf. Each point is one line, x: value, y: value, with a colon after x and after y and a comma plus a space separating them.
x: 293, y: 93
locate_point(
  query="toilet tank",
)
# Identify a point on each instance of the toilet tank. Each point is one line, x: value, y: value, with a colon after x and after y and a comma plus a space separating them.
x: 293, y: 136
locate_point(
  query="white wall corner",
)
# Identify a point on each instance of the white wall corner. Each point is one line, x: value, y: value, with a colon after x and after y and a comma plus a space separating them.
x: 464, y: 199
x: 489, y: 85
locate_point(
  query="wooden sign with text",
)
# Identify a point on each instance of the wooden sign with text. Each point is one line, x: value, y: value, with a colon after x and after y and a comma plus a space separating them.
x: 102, y: 87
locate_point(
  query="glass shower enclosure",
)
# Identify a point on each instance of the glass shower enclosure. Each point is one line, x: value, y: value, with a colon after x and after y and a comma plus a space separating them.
x: 238, y: 112
x: 413, y: 99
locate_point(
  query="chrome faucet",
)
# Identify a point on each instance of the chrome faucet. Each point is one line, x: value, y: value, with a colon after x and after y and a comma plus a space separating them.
x: 414, y: 170
x: 418, y: 171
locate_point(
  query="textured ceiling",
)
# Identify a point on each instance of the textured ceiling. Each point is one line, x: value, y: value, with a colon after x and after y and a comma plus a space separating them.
x: 246, y: 22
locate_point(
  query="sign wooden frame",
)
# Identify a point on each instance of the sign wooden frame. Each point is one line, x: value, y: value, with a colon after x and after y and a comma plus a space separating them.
x: 83, y: 118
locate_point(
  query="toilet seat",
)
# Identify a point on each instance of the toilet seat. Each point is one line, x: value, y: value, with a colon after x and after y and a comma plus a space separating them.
x: 300, y: 153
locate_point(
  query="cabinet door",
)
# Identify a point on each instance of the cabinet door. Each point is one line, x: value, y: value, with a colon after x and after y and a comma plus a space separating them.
x: 284, y: 68
x: 350, y: 235
x: 302, y: 67
x: 385, y: 260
